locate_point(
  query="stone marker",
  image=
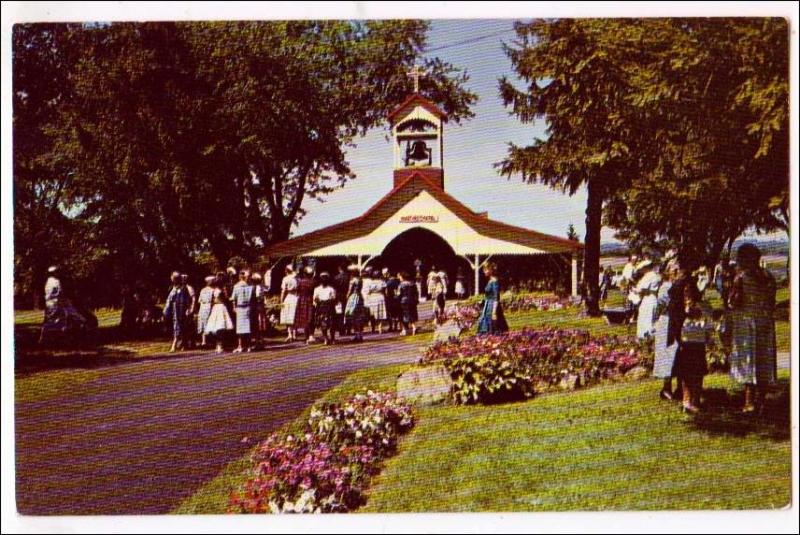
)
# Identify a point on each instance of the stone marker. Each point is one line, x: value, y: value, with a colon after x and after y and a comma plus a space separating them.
x: 450, y: 330
x: 425, y: 385
x: 637, y: 372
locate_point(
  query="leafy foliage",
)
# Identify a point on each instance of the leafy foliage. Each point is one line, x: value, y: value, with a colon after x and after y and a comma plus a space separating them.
x: 185, y: 138
x: 514, y: 365
x: 678, y: 126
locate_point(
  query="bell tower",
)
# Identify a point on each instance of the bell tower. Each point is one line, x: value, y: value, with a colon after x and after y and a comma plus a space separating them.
x: 417, y: 134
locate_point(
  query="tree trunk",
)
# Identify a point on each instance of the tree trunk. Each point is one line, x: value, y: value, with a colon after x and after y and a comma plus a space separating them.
x: 591, y: 253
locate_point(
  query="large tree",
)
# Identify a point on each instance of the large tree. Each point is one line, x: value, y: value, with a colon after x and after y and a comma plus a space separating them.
x: 679, y: 127
x: 192, y: 138
x: 716, y: 100
x: 577, y: 81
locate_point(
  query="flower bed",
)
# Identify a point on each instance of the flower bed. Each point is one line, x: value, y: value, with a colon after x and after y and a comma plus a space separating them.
x: 514, y: 365
x: 467, y: 312
x: 327, y: 470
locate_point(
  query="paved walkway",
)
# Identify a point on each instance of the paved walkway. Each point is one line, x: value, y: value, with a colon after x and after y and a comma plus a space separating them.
x: 144, y: 436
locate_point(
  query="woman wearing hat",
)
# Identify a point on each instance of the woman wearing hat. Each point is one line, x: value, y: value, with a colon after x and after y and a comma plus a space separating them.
x: 205, y: 300
x: 289, y: 303
x: 355, y: 313
x: 647, y: 290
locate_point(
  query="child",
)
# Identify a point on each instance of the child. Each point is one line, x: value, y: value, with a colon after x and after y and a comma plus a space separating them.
x: 690, y: 361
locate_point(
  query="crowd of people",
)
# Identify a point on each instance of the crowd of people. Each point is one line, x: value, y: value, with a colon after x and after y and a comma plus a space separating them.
x: 669, y: 305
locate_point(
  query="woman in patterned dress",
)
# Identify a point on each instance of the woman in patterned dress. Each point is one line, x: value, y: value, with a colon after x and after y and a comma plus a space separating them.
x: 355, y: 312
x: 304, y: 317
x: 177, y: 309
x: 492, y: 320
x: 289, y: 303
x: 204, y: 300
x: 752, y: 303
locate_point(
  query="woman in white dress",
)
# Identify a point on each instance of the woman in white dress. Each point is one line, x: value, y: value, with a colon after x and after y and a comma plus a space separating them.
x: 647, y: 290
x: 375, y: 300
x: 219, y: 320
x: 204, y: 300
x: 752, y: 324
x: 665, y: 345
x: 289, y: 300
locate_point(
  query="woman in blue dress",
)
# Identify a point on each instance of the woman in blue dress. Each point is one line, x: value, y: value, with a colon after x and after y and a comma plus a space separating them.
x: 492, y: 320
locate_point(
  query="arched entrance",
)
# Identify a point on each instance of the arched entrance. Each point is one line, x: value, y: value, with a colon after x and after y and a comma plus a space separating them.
x: 427, y: 247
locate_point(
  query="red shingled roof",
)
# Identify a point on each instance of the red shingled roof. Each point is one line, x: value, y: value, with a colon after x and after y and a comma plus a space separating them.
x: 399, y: 197
x: 416, y: 98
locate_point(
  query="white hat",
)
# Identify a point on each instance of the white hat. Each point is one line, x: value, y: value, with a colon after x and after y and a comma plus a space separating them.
x: 352, y: 267
x: 52, y: 269
x: 643, y: 264
x: 256, y: 276
x: 210, y: 279
x: 231, y: 270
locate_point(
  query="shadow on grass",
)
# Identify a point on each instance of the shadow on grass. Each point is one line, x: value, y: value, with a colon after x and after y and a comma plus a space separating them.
x: 60, y: 354
x: 722, y: 414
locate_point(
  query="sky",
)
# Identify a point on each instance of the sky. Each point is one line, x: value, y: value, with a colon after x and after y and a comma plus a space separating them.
x: 470, y: 149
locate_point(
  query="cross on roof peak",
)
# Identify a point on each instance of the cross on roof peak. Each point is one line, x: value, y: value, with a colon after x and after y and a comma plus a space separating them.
x: 416, y: 73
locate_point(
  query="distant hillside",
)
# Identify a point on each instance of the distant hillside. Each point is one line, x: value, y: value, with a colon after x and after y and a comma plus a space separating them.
x: 767, y: 246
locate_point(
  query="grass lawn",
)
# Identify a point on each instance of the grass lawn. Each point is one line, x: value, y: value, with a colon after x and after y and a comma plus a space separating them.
x: 612, y: 447
x: 615, y: 446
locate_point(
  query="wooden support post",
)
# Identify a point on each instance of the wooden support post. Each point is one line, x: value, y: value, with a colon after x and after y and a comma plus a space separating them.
x: 477, y: 268
x: 574, y: 275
